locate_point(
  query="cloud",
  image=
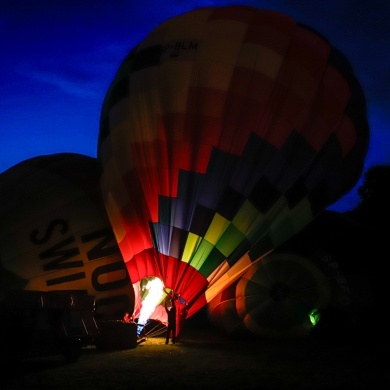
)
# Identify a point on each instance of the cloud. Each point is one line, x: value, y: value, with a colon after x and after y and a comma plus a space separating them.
x: 69, y: 85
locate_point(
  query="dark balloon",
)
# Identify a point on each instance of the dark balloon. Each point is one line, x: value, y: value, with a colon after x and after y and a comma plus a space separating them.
x: 55, y: 234
x: 322, y: 281
x: 278, y: 297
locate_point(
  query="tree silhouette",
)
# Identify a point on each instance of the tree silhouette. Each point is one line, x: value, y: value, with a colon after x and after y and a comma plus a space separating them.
x: 373, y: 212
x: 374, y: 207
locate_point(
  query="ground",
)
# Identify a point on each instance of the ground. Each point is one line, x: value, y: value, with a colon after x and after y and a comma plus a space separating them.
x: 203, y: 358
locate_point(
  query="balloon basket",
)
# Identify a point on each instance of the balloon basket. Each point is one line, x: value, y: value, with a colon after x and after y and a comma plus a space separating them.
x: 116, y: 335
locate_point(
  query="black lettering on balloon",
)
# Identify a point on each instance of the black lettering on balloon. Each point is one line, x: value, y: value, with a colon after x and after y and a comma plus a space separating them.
x: 61, y: 224
x: 112, y: 284
x: 61, y: 255
x: 105, y: 247
x: 193, y: 46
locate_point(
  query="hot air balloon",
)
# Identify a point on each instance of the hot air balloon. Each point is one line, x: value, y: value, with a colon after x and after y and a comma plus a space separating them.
x: 55, y: 234
x: 316, y: 283
x: 225, y: 132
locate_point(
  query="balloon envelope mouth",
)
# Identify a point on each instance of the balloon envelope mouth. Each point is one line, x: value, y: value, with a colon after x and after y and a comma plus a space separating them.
x: 152, y: 293
x: 279, y: 292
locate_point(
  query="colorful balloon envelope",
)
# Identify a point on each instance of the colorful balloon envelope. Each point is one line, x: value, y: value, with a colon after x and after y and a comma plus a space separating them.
x: 224, y: 133
x: 55, y: 234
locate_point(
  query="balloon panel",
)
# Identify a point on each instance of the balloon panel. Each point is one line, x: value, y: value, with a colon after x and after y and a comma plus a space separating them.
x: 222, y: 312
x: 225, y: 131
x: 55, y: 234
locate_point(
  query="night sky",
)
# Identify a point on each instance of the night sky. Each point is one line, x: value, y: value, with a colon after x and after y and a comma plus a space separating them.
x: 58, y: 59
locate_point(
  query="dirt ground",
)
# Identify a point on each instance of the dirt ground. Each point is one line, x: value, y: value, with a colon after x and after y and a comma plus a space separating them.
x: 204, y: 359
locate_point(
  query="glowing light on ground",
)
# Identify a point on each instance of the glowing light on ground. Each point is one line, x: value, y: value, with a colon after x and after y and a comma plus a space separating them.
x: 152, y: 293
x: 314, y: 316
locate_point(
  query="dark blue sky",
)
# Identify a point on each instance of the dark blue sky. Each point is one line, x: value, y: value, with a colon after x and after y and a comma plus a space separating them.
x: 58, y: 59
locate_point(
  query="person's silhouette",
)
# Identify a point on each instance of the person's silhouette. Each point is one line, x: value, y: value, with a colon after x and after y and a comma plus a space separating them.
x: 171, y: 327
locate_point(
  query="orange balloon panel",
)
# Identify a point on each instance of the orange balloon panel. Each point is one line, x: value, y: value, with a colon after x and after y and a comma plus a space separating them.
x: 55, y: 234
x: 226, y: 130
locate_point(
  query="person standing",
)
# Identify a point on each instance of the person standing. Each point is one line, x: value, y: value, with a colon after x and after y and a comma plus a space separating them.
x: 127, y: 317
x: 171, y: 327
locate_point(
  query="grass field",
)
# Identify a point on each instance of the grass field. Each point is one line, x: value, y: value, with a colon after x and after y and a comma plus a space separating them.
x: 204, y: 359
